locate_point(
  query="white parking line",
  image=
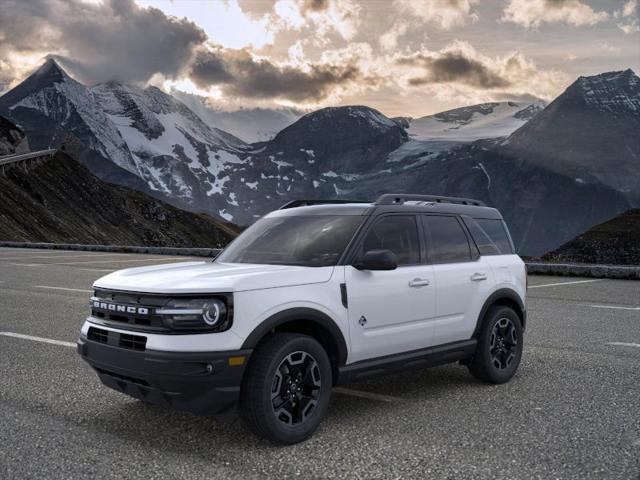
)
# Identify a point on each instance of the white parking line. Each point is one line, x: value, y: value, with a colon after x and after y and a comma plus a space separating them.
x: 614, y: 307
x: 367, y: 395
x: 62, y: 256
x: 65, y: 289
x: 38, y: 339
x: 100, y: 261
x: 623, y: 344
x: 557, y: 284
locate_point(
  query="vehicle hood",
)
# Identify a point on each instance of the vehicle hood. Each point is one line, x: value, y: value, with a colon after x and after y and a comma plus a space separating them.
x: 208, y: 277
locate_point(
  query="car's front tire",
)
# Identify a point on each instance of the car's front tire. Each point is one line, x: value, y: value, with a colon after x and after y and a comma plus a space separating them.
x: 500, y: 344
x: 286, y: 389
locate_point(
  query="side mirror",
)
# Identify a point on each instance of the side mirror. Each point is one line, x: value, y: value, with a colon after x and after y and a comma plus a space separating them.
x: 377, y: 260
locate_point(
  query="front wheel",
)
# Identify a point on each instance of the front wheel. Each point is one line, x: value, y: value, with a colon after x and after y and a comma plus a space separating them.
x: 286, y: 390
x: 499, y: 348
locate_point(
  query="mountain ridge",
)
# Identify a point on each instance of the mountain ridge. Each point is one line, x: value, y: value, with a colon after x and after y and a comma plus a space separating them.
x: 357, y: 152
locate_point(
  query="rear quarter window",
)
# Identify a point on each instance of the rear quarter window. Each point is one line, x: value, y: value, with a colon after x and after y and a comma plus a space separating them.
x: 491, y: 236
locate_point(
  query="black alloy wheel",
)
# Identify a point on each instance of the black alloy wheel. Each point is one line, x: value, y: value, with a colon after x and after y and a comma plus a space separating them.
x: 499, y: 349
x: 286, y: 389
x: 504, y: 343
x: 296, y: 387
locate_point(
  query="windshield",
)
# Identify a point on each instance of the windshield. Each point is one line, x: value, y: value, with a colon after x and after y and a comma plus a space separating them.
x: 310, y: 241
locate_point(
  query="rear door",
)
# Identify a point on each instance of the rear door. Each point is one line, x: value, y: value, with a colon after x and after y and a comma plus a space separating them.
x: 463, y: 278
x: 391, y: 311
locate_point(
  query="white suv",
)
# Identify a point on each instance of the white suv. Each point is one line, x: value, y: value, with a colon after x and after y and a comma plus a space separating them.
x: 312, y: 295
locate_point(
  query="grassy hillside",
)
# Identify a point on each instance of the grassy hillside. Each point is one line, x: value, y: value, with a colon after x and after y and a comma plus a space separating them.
x: 59, y: 200
x: 616, y: 241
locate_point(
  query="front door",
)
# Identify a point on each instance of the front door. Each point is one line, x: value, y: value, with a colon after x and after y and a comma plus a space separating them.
x: 391, y: 311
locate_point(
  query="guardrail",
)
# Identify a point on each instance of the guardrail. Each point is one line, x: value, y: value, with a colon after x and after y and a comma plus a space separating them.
x: 11, y: 159
x: 193, y: 252
x: 630, y: 272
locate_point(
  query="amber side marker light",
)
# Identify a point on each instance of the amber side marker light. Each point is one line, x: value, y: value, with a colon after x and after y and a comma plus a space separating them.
x: 236, y: 361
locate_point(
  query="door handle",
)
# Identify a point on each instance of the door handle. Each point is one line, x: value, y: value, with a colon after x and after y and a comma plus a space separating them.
x: 419, y: 282
x: 476, y: 277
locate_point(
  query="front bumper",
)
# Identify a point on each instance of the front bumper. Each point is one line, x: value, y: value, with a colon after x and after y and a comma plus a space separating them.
x: 197, y: 382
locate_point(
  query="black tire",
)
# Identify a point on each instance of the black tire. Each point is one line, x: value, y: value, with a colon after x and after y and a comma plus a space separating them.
x: 500, y: 343
x: 286, y: 389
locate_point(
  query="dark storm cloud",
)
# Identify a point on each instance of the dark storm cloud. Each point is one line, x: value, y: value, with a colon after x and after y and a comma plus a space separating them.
x: 238, y: 73
x: 454, y: 67
x: 113, y: 40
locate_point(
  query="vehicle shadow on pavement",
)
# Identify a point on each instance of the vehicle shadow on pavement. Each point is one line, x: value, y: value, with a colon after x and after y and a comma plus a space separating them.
x: 138, y: 422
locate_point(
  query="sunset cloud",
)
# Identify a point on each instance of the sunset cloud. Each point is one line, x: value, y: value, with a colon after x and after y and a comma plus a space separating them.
x: 460, y: 70
x: 239, y: 73
x: 114, y: 39
x: 396, y: 55
x: 628, y: 17
x: 323, y: 16
x: 533, y: 13
x: 444, y: 14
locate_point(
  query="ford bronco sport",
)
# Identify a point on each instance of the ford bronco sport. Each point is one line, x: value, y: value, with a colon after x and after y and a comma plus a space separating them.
x: 312, y: 295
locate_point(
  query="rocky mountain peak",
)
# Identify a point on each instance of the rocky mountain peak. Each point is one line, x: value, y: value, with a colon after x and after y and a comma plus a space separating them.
x: 51, y: 70
x: 340, y: 124
x: 611, y: 91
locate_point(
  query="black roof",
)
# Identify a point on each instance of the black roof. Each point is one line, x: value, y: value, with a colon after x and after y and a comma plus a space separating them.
x: 391, y: 203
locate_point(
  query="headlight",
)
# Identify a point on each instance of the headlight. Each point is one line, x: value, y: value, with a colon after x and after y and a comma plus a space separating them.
x: 206, y: 314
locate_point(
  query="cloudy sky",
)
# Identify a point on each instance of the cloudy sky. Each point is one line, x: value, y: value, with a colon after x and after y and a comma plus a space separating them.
x: 404, y: 57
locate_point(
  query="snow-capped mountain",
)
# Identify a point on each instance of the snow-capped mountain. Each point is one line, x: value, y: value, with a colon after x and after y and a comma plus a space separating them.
x: 476, y: 122
x: 591, y: 133
x: 174, y: 151
x: 319, y: 156
x: 250, y: 124
x: 563, y: 169
x: 356, y: 152
x: 138, y: 137
x: 50, y: 105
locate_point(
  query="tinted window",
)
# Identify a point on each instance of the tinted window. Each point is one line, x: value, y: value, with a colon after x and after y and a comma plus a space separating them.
x: 396, y: 233
x: 497, y: 231
x: 310, y: 241
x: 448, y: 242
x: 485, y: 245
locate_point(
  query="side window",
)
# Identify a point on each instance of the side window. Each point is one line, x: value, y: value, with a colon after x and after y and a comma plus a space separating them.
x: 497, y: 231
x: 485, y: 244
x: 447, y: 240
x: 398, y: 233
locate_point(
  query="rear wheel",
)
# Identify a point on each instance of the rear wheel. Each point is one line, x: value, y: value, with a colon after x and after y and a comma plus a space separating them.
x: 499, y: 348
x: 286, y: 390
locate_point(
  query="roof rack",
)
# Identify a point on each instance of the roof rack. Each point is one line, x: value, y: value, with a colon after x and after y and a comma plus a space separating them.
x: 399, y: 199
x: 306, y: 203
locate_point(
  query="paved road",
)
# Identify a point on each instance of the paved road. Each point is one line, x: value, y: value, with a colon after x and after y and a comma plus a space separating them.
x: 572, y: 411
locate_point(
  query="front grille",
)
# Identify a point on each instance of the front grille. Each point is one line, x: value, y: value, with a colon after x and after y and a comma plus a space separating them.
x: 139, y: 310
x: 133, y: 342
x: 122, y: 340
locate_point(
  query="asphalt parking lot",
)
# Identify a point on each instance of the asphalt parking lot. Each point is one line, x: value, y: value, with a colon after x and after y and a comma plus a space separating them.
x: 571, y: 412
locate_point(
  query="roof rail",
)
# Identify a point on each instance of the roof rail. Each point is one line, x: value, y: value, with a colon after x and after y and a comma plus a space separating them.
x: 306, y: 203
x: 399, y: 199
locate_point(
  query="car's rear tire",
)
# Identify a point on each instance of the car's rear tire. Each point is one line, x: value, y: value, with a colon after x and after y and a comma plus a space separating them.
x: 499, y: 349
x: 286, y: 389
